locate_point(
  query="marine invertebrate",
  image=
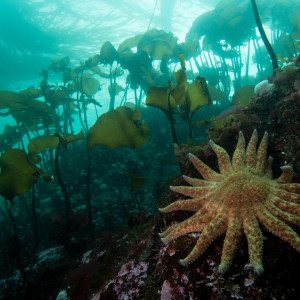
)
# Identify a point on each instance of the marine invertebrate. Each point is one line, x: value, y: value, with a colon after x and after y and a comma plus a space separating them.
x: 262, y: 88
x: 237, y: 200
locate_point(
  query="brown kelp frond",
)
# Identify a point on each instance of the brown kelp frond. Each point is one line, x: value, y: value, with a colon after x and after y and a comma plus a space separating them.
x: 119, y: 127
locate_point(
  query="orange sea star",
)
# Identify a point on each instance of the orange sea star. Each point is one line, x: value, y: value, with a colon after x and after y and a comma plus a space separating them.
x: 236, y: 200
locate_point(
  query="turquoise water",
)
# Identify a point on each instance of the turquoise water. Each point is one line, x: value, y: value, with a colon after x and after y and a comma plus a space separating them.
x: 71, y: 65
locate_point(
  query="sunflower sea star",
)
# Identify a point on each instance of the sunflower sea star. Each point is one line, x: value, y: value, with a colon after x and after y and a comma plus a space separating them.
x: 236, y: 200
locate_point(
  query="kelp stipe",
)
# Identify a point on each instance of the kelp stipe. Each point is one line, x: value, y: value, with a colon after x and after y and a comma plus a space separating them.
x: 264, y: 37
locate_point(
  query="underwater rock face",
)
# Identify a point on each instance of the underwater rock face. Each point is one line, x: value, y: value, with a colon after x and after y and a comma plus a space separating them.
x: 41, y: 276
x: 127, y: 283
x: 154, y: 272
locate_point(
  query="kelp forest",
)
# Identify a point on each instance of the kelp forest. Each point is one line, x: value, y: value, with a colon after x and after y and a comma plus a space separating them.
x: 88, y: 152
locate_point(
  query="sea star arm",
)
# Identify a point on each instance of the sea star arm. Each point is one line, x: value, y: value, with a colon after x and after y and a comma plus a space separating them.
x: 188, y: 204
x: 250, y: 159
x: 261, y: 155
x: 290, y: 187
x: 269, y: 172
x: 211, y: 231
x: 286, y: 176
x: 277, y: 227
x: 232, y: 238
x: 223, y: 158
x: 238, y: 158
x: 290, y: 207
x: 283, y: 215
x: 206, y: 172
x: 254, y: 238
x: 191, y: 191
x: 287, y: 194
x: 199, y: 182
x: 203, y: 216
x: 188, y: 226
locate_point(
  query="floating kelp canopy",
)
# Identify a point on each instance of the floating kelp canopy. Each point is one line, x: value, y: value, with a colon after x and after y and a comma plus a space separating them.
x: 228, y: 32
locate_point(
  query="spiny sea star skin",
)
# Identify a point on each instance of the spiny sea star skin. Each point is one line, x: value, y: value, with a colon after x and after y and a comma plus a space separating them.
x: 236, y: 200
